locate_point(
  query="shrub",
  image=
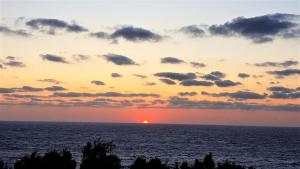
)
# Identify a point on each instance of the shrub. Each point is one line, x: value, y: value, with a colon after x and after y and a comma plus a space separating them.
x: 99, y: 156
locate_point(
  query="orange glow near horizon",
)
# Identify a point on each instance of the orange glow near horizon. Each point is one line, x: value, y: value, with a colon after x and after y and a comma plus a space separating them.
x: 146, y: 122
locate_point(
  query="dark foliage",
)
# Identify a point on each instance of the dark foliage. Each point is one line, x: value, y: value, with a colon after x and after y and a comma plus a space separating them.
x: 50, y: 160
x: 3, y: 165
x: 141, y: 163
x: 99, y: 156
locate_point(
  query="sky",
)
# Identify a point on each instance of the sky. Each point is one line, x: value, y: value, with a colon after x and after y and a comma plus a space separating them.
x: 187, y: 62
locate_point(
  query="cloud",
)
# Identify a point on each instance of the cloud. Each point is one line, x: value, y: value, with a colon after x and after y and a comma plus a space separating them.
x: 129, y: 33
x: 171, y: 60
x: 187, y: 93
x: 277, y: 64
x: 29, y: 89
x: 54, y: 58
x: 7, y: 31
x: 191, y: 82
x: 55, y: 88
x: 177, y: 102
x: 193, y: 31
x: 119, y: 59
x: 176, y: 76
x: 226, y: 83
x: 116, y: 75
x: 279, y: 92
x: 1, y: 66
x: 140, y: 76
x: 150, y: 84
x: 197, y: 64
x: 286, y: 72
x: 214, y: 76
x: 52, y: 25
x: 260, y: 29
x: 80, y: 57
x: 240, y: 95
x: 6, y: 90
x: 12, y: 61
x: 243, y: 75
x: 50, y: 81
x: 97, y: 82
x: 168, y: 81
x: 106, y: 94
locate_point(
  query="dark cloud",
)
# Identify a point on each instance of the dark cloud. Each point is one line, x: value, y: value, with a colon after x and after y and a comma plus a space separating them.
x: 277, y: 64
x: 214, y: 76
x: 171, y: 60
x: 54, y: 58
x: 7, y: 31
x: 116, y: 75
x: 119, y: 59
x: 240, y: 95
x: 279, y: 92
x: 107, y: 94
x: 97, y: 82
x: 176, y: 76
x: 140, y: 76
x: 55, y: 88
x: 197, y: 64
x: 191, y: 82
x: 177, y: 102
x: 12, y: 61
x: 29, y: 89
x: 193, y: 31
x: 226, y: 83
x: 7, y: 90
x: 80, y: 57
x: 1, y: 66
x: 187, y: 93
x: 168, y: 81
x: 150, y: 84
x: 286, y: 72
x: 243, y: 75
x: 51, y: 25
x: 50, y: 81
x: 135, y: 34
x: 260, y: 29
x: 129, y: 33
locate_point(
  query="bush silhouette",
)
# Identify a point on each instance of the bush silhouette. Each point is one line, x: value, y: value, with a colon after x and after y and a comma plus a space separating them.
x: 99, y: 156
x: 50, y: 160
x: 209, y: 162
x: 141, y: 163
x: 3, y: 165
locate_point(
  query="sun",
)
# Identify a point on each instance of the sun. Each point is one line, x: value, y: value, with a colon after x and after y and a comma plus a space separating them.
x: 145, y: 121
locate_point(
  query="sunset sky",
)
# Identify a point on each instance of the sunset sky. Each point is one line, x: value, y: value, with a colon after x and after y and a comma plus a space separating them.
x: 195, y: 62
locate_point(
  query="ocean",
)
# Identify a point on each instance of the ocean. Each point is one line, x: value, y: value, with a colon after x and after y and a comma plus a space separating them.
x: 262, y: 147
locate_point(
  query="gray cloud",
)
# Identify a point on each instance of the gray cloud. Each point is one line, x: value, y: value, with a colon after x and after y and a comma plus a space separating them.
x: 168, y: 81
x: 226, y: 83
x: 240, y: 95
x: 193, y: 31
x: 54, y: 58
x: 197, y: 64
x: 243, y: 75
x: 49, y: 81
x: 106, y: 94
x: 7, y: 31
x: 55, y: 88
x: 277, y: 64
x: 12, y: 61
x: 187, y: 93
x: 176, y: 76
x: 140, y: 76
x: 279, y: 92
x: 171, y: 60
x: 116, y: 75
x: 119, y: 59
x: 150, y: 84
x: 51, y: 25
x: 6, y: 90
x: 286, y: 72
x: 177, y: 102
x: 129, y: 33
x: 260, y: 29
x: 80, y: 57
x: 214, y: 76
x: 97, y: 82
x: 191, y: 82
